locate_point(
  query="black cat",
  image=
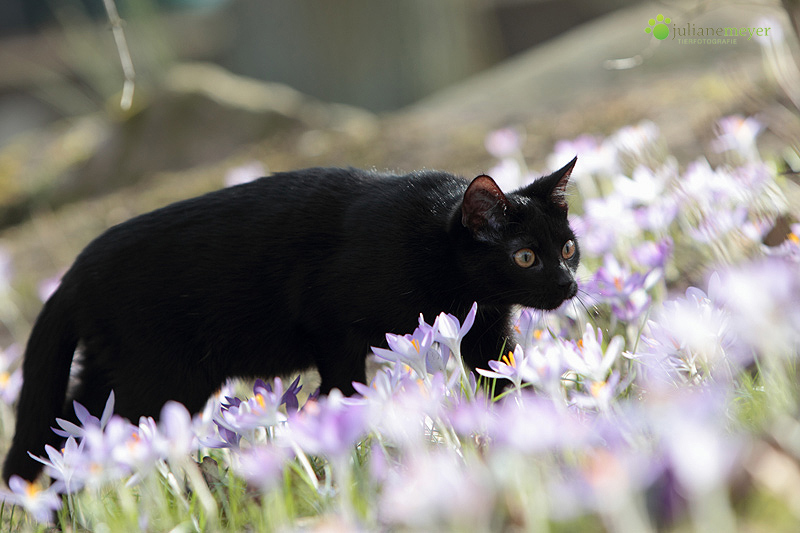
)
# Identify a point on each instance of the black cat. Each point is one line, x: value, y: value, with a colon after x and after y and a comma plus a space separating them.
x: 297, y: 270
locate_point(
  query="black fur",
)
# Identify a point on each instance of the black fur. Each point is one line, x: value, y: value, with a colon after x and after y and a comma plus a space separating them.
x: 297, y: 270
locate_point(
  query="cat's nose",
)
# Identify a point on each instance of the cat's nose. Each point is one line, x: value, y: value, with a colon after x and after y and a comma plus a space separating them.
x: 567, y: 284
x: 572, y: 289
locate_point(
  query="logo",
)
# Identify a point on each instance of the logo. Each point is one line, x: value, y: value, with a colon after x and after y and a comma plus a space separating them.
x: 658, y: 27
x: 691, y: 33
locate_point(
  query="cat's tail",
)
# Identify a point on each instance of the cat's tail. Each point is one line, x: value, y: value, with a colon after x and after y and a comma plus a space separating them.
x: 45, y: 373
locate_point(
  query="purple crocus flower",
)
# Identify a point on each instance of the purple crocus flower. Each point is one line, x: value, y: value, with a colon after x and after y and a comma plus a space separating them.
x: 712, y: 225
x: 688, y: 339
x: 10, y: 381
x: 86, y: 419
x: 100, y: 452
x: 533, y: 424
x: 588, y: 359
x: 763, y: 299
x: 510, y: 367
x: 175, y: 424
x: 657, y: 216
x: 64, y: 466
x: 261, y: 465
x: 329, y: 426
x: 645, y: 186
x: 39, y: 504
x: 636, y: 140
x: 388, y: 381
x: 623, y: 290
x: 738, y: 134
x: 598, y: 157
x: 651, y: 254
x: 504, y: 142
x: 248, y: 418
x: 411, y: 350
x: 437, y: 491
x: 604, y: 223
x: 448, y: 330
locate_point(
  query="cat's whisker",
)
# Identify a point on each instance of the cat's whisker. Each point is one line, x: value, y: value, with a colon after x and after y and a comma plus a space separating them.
x: 593, y: 311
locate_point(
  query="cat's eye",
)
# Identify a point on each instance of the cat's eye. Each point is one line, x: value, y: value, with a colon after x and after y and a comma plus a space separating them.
x: 568, y: 250
x: 524, y: 257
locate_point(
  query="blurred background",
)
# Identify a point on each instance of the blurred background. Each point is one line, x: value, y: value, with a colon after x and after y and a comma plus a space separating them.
x: 225, y: 90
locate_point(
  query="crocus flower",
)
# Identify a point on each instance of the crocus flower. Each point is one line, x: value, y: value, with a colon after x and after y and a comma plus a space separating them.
x: 637, y: 141
x: 449, y: 332
x: 100, y: 452
x: 713, y: 225
x: 651, y: 254
x: 644, y: 186
x: 175, y: 424
x: 64, y: 466
x: 544, y: 368
x: 39, y: 504
x: 587, y: 357
x: 437, y: 491
x: 250, y: 417
x: 86, y: 419
x: 504, y: 142
x: 625, y: 291
x: 763, y: 299
x: 411, y: 350
x: 262, y: 465
x: 605, y: 223
x: 598, y: 157
x: 508, y: 367
x: 688, y: 340
x: 738, y: 134
x: 10, y: 381
x: 533, y: 424
x: 329, y: 426
x: 597, y: 394
x: 657, y: 216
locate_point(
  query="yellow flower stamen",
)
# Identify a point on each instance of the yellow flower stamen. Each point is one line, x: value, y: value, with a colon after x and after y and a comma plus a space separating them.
x: 509, y: 360
x: 618, y: 283
x: 597, y: 388
x: 4, y: 377
x: 260, y: 401
x: 794, y: 238
x: 415, y: 342
x: 31, y: 489
x: 537, y: 334
x: 134, y: 441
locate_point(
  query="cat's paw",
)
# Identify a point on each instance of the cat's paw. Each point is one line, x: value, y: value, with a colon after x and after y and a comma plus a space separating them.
x: 658, y: 27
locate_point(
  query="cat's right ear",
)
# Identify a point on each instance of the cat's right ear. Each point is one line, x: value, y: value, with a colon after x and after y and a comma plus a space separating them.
x: 484, y: 207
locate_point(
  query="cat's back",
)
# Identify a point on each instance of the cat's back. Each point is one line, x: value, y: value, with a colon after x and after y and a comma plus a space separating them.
x: 290, y: 216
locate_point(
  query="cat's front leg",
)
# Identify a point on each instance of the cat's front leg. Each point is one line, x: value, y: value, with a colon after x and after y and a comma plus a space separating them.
x: 487, y: 337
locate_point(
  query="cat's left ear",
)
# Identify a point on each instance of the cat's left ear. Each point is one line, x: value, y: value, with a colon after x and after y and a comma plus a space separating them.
x: 484, y: 206
x: 556, y: 185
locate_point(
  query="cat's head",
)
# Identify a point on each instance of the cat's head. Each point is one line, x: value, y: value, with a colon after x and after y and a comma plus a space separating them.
x: 519, y: 246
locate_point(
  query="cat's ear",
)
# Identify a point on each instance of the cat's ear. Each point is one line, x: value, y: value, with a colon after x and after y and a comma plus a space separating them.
x: 556, y: 185
x: 484, y: 206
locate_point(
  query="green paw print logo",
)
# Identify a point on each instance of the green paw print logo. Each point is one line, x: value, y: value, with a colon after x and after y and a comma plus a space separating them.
x: 658, y: 27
